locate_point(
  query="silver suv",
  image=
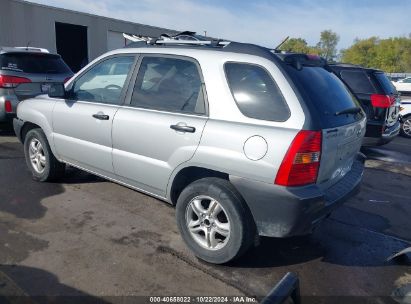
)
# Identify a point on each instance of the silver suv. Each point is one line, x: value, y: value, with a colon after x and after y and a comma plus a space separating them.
x: 25, y: 73
x: 244, y: 141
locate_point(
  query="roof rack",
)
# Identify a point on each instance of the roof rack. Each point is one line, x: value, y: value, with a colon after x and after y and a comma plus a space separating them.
x: 178, y: 39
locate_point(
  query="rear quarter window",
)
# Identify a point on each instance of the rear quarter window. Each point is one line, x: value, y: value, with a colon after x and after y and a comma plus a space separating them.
x: 33, y: 63
x: 358, y: 81
x: 255, y: 92
x: 385, y: 83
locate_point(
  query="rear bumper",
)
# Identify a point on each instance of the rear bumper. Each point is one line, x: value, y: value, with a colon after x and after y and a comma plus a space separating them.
x: 283, y: 212
x: 7, y: 117
x: 382, y: 138
x: 17, y: 126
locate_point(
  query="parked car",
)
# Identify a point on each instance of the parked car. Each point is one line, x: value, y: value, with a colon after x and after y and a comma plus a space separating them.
x: 25, y: 73
x: 377, y: 97
x: 395, y: 78
x: 405, y: 117
x: 403, y: 86
x: 243, y: 141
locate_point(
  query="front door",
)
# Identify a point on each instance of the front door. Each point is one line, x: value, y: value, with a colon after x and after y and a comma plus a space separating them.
x: 161, y: 126
x: 82, y: 125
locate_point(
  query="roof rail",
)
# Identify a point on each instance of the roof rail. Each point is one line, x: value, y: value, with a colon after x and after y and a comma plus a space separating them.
x: 191, y: 42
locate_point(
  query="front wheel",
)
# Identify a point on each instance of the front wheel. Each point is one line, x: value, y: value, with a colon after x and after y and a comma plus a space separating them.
x: 39, y: 157
x: 214, y: 220
x: 406, y: 127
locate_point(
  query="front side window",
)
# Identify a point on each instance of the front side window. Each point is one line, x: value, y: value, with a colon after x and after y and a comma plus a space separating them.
x: 104, y: 82
x: 169, y: 84
x: 256, y: 93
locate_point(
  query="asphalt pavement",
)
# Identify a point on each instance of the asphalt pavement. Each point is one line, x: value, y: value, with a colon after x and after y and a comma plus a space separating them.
x: 89, y: 238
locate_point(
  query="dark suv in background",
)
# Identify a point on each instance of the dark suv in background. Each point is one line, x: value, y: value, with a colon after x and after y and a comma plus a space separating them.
x: 25, y: 73
x: 379, y: 100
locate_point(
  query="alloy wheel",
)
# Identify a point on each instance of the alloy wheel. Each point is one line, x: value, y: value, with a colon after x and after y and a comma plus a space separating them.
x: 406, y: 127
x: 208, y: 222
x: 37, y: 156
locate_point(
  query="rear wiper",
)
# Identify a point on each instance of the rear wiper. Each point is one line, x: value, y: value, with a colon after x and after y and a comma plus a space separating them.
x: 354, y: 110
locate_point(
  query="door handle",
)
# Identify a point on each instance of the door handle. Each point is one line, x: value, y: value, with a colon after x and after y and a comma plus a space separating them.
x: 181, y: 128
x: 101, y: 116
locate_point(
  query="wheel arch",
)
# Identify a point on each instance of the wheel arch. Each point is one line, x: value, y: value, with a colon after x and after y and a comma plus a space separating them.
x: 186, y: 175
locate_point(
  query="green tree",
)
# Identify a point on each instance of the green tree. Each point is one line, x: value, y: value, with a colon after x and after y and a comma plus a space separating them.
x: 296, y: 45
x: 362, y: 52
x: 390, y: 55
x: 328, y: 45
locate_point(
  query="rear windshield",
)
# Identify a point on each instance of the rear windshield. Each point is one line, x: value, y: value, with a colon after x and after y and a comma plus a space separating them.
x: 385, y: 83
x: 324, y: 94
x: 33, y: 63
x: 358, y: 81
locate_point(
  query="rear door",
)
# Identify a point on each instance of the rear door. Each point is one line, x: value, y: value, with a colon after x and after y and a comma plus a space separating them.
x: 362, y: 86
x: 387, y: 88
x: 161, y: 126
x: 342, y: 134
x: 39, y: 71
x: 82, y: 125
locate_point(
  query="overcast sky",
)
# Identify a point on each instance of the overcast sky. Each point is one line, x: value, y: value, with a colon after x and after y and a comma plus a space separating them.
x: 263, y: 21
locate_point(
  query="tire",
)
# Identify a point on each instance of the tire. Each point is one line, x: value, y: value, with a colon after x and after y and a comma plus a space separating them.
x: 406, y: 127
x: 40, y: 159
x: 230, y: 216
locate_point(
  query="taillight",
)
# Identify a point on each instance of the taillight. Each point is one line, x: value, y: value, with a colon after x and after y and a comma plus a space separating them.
x: 382, y: 101
x: 7, y: 82
x: 301, y: 163
x: 7, y: 106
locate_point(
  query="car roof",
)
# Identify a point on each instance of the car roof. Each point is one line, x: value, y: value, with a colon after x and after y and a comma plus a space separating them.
x: 349, y: 66
x: 27, y: 50
x: 222, y: 48
x: 233, y: 47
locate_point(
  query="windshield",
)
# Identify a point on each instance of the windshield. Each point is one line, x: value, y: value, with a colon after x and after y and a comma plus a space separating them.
x: 33, y: 63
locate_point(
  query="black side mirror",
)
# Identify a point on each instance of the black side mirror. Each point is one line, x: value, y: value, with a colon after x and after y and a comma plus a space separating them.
x: 57, y: 90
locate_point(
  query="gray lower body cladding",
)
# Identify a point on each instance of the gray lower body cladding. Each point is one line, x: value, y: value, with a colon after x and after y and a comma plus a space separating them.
x: 284, y: 212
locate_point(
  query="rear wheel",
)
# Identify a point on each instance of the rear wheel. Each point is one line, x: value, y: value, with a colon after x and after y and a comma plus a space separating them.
x: 406, y: 127
x: 39, y: 157
x: 214, y: 220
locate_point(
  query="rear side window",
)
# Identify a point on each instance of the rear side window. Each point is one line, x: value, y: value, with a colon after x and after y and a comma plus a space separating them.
x: 169, y: 84
x: 33, y: 63
x: 325, y: 95
x: 358, y: 81
x: 255, y: 92
x: 385, y: 83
